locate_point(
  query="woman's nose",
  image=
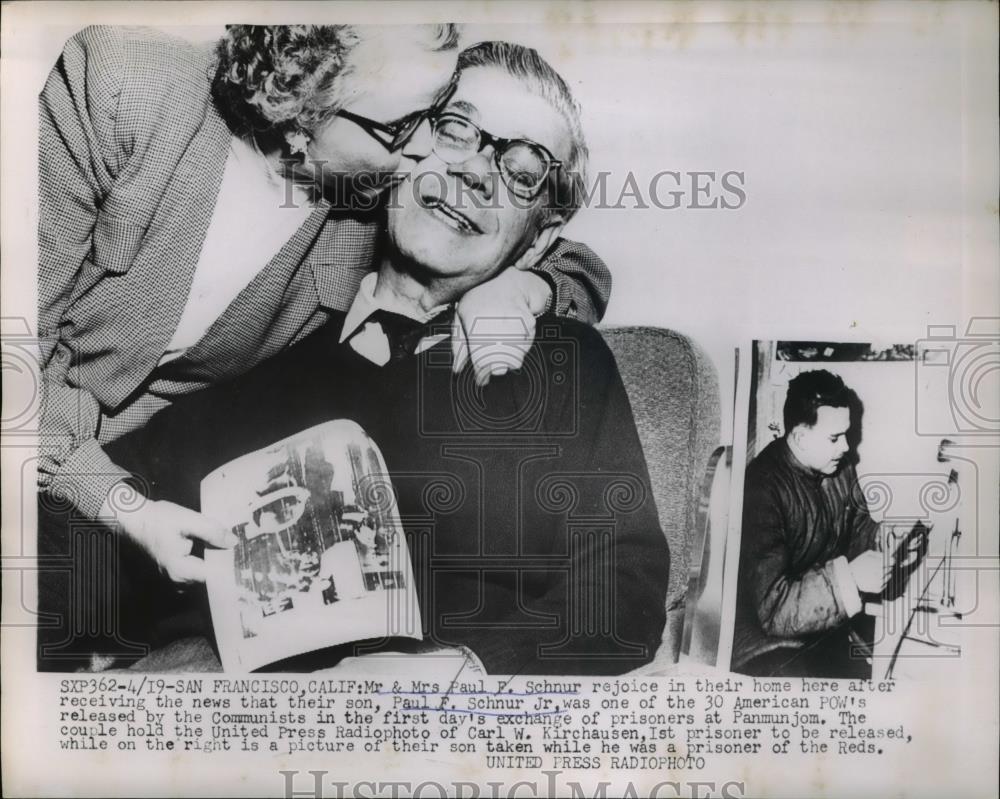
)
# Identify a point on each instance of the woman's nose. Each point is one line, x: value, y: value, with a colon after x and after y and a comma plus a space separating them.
x: 420, y: 144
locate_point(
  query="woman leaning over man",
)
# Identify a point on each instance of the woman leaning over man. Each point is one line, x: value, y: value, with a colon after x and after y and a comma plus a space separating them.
x: 201, y: 210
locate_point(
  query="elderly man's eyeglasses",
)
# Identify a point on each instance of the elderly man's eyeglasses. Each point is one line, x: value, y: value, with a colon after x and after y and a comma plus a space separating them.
x: 524, y: 165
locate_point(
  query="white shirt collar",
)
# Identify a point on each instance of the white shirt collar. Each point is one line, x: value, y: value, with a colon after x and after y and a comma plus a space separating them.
x: 366, y: 303
x: 367, y: 337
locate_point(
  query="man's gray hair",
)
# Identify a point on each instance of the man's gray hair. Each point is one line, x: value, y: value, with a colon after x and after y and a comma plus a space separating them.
x: 538, y: 76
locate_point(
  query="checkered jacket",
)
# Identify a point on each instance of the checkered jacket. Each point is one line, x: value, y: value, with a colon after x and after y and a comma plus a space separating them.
x: 131, y: 156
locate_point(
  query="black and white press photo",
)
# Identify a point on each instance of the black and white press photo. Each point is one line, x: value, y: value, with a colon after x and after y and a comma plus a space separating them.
x: 536, y: 398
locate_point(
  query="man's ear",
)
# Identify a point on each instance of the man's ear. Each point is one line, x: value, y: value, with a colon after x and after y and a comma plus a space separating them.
x: 543, y: 240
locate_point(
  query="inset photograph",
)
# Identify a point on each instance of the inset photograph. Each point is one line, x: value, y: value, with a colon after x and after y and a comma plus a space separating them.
x: 850, y: 530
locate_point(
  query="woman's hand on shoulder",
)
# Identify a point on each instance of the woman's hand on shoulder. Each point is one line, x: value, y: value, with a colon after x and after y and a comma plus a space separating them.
x: 494, y: 323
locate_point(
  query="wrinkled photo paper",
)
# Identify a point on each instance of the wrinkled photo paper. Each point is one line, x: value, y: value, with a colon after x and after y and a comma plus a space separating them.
x: 321, y: 558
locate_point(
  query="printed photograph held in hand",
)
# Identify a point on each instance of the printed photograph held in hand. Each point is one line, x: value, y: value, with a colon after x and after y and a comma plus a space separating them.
x: 321, y: 559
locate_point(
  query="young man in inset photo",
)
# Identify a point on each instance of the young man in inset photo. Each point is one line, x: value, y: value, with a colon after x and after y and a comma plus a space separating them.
x: 809, y: 549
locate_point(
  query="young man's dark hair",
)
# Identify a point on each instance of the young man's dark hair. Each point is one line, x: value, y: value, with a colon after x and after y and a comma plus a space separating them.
x: 809, y: 391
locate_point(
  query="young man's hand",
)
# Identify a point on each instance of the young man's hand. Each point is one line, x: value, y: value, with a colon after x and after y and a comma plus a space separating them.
x: 495, y: 323
x: 869, y: 572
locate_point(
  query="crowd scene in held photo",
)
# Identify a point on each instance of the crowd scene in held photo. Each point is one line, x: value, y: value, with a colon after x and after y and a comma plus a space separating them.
x: 303, y: 544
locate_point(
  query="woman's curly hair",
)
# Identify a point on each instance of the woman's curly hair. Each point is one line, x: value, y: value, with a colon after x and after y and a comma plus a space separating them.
x: 271, y: 80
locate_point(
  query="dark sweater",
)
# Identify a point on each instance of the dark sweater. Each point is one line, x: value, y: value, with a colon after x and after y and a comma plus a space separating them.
x: 795, y: 523
x: 527, y: 505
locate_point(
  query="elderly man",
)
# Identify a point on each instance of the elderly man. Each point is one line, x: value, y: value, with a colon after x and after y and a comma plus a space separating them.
x: 532, y: 530
x: 809, y: 548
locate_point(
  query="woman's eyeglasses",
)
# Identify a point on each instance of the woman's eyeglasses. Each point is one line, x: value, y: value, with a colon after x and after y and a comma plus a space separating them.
x: 393, y: 135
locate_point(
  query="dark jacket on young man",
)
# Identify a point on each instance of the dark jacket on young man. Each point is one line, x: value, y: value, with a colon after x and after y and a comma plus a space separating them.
x: 796, y: 525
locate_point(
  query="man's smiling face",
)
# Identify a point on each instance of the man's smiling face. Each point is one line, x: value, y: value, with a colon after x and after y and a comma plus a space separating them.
x: 460, y: 221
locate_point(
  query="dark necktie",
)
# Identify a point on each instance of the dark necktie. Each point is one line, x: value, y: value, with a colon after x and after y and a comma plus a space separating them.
x: 404, y: 334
